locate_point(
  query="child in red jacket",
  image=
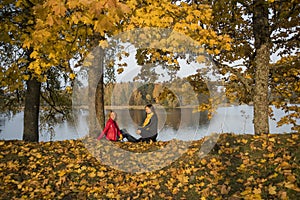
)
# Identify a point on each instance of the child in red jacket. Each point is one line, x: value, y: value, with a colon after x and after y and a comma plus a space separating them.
x: 111, y: 130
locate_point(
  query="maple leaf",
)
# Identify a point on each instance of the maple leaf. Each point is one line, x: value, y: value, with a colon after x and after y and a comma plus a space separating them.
x: 59, y: 8
x: 72, y: 76
x: 272, y: 190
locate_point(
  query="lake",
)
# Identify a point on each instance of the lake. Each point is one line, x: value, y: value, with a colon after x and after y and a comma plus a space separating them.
x: 182, y: 124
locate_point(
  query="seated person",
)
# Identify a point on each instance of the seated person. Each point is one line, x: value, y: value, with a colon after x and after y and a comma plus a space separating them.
x: 148, y: 131
x: 111, y: 130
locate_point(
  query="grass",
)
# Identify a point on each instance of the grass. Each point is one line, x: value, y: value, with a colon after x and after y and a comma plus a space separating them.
x: 237, y: 167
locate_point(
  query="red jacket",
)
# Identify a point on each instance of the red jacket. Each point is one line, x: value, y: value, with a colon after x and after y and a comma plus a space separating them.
x: 111, y: 130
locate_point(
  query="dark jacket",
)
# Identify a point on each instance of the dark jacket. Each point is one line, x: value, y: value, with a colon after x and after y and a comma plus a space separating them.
x: 111, y: 130
x: 150, y: 129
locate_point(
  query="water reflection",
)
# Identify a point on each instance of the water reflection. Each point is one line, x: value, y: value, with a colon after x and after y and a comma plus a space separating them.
x: 173, y: 118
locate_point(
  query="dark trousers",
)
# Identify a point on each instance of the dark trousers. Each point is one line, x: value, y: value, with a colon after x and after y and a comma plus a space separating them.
x: 148, y: 139
x: 130, y: 138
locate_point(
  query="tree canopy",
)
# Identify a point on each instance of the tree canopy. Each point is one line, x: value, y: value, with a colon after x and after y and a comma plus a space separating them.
x: 281, y: 32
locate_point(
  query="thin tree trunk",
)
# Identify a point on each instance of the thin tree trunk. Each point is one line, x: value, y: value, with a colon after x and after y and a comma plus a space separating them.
x: 99, y: 98
x: 261, y: 63
x: 31, y: 111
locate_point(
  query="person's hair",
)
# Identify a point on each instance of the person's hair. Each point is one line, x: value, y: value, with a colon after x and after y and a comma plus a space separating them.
x: 151, y: 107
x: 110, y: 112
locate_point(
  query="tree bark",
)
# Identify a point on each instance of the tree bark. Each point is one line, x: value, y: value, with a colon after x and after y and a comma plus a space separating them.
x: 96, y: 94
x: 31, y: 111
x: 261, y: 100
x: 261, y: 64
x: 99, y: 98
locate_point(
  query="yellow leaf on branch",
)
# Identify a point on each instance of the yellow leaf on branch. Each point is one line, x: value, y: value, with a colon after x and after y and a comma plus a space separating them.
x: 34, y: 54
x: 59, y: 8
x: 72, y: 76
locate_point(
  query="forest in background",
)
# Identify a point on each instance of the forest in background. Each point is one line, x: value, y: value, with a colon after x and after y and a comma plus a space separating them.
x: 179, y: 92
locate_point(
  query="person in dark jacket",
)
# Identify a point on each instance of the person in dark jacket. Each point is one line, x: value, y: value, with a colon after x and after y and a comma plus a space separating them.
x: 111, y: 130
x: 148, y: 131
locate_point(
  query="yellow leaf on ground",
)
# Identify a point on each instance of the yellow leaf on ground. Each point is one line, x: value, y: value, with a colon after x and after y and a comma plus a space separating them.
x: 92, y: 174
x: 295, y: 136
x: 182, y: 178
x: 257, y: 191
x: 82, y: 187
x: 100, y: 174
x: 272, y: 139
x: 284, y: 165
x: 38, y: 155
x: 272, y: 189
x: 61, y: 173
x: 292, y: 186
x: 271, y: 155
x: 203, y: 162
x: 244, y: 141
x: 291, y: 178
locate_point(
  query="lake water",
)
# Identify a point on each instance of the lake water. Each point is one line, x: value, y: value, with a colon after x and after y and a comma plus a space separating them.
x: 182, y: 124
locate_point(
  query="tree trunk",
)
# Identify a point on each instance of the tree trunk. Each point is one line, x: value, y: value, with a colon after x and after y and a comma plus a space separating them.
x: 31, y: 111
x: 261, y: 101
x: 261, y: 63
x: 96, y: 94
x: 99, y: 98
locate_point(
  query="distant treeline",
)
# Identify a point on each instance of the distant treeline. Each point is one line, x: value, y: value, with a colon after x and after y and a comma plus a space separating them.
x: 179, y: 92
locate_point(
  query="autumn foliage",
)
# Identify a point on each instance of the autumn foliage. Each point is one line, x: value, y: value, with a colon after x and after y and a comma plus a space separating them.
x: 238, y: 167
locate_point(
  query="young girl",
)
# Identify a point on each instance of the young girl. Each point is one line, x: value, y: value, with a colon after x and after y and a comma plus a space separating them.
x: 111, y: 130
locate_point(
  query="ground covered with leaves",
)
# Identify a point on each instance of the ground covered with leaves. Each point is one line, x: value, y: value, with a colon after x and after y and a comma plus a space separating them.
x: 238, y: 167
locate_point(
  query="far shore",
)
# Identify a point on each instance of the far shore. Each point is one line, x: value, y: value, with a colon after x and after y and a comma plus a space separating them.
x: 141, y: 107
x: 138, y: 107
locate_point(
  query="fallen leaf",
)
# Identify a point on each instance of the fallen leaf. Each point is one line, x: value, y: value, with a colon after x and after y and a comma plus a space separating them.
x: 272, y: 190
